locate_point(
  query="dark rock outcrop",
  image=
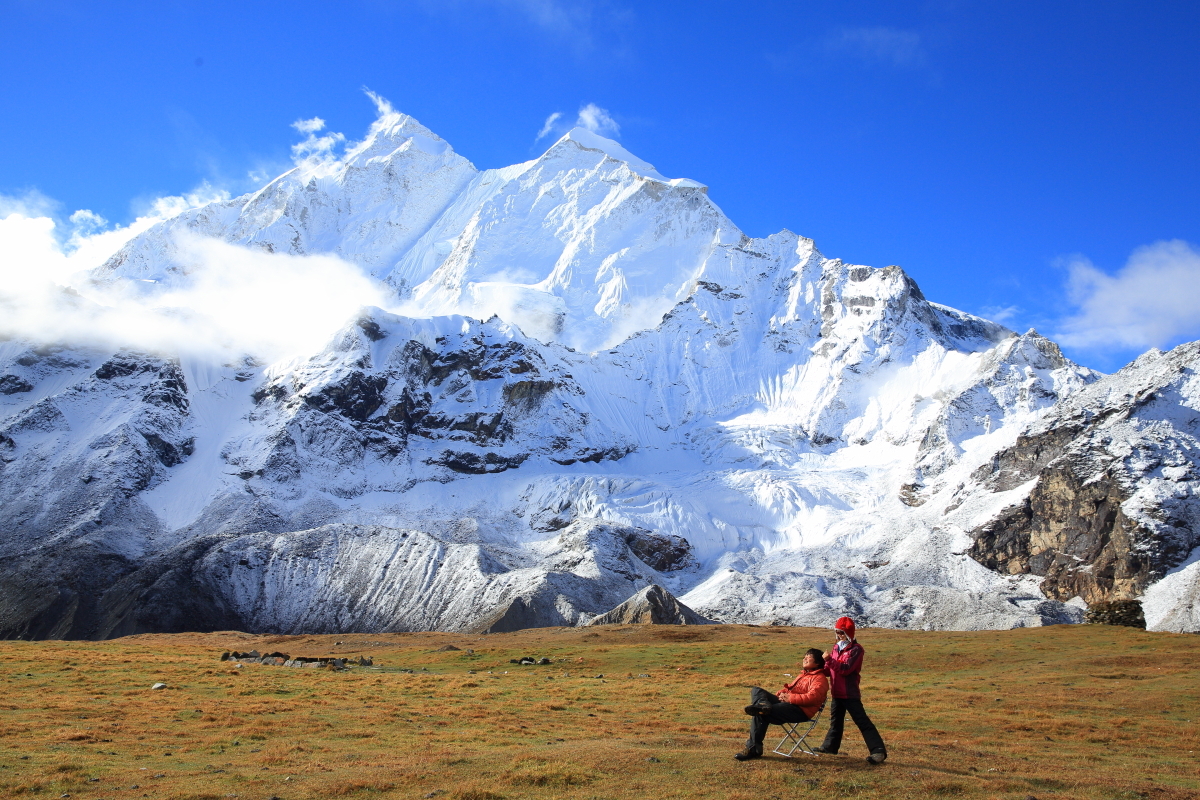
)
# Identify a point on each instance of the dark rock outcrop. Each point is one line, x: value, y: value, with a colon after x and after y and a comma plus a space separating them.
x: 516, y: 616
x: 663, y: 552
x: 14, y: 384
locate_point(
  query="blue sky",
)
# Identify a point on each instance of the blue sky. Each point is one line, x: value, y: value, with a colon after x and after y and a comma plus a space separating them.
x: 1035, y: 162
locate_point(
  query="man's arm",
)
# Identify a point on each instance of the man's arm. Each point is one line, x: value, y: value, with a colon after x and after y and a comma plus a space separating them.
x: 814, y: 696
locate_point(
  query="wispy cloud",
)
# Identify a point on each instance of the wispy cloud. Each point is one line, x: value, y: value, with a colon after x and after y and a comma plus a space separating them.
x: 1001, y: 314
x: 878, y: 45
x: 570, y: 19
x: 309, y: 125
x: 1151, y: 302
x: 549, y: 126
x: 582, y: 27
x: 591, y: 117
x: 315, y: 149
x: 597, y: 120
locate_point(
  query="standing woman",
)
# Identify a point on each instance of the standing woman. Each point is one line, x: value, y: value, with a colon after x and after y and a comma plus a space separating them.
x: 842, y: 665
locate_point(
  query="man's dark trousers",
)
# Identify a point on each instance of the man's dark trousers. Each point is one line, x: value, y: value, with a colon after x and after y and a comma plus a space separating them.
x: 779, y: 714
x: 837, y: 720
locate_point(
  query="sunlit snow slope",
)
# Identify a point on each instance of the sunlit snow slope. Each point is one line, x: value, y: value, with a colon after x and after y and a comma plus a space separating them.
x: 589, y: 381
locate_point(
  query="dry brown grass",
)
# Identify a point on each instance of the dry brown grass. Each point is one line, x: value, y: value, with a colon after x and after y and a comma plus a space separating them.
x: 1066, y: 712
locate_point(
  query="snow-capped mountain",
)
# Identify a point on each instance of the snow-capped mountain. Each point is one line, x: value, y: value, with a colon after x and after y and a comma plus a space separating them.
x: 590, y: 382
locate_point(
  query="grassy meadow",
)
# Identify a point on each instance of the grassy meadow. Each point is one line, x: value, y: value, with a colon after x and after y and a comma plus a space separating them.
x: 1061, y: 712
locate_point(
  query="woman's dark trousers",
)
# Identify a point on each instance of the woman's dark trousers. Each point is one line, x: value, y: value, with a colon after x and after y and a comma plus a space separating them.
x: 837, y: 720
x: 779, y: 714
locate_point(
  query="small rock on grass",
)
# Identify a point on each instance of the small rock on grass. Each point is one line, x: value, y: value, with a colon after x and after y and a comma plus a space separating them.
x: 159, y: 686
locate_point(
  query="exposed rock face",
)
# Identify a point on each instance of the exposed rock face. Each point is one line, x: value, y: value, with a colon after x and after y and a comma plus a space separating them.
x: 1113, y: 504
x: 652, y: 605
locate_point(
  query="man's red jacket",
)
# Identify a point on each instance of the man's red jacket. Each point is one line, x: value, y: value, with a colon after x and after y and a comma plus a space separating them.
x: 807, y: 691
x: 843, y: 667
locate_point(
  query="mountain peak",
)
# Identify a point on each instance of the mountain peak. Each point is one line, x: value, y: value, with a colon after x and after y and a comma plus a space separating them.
x: 590, y: 140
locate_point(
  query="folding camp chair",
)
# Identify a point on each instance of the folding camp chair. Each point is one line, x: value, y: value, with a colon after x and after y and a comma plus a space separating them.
x: 798, y: 739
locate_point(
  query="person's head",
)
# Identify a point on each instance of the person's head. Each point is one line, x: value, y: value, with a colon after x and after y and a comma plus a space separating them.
x: 813, y: 659
x: 844, y: 629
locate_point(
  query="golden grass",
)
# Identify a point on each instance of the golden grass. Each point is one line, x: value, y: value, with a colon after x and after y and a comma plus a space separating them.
x: 1062, y: 712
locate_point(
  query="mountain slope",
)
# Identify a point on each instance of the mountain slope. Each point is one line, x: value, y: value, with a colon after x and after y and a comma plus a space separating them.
x: 591, y: 383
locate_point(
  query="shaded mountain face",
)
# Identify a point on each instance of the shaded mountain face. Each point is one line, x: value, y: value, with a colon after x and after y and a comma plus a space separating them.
x: 592, y: 383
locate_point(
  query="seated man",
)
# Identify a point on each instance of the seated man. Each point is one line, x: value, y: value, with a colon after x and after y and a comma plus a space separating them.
x: 796, y: 702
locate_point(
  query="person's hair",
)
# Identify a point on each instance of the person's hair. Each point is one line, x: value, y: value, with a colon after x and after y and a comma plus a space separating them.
x: 817, y: 656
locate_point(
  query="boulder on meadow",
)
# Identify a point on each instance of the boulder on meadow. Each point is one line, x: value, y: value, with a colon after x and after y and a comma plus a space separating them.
x: 1118, y: 612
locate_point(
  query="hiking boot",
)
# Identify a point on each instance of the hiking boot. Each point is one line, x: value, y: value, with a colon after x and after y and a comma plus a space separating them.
x: 877, y: 758
x: 747, y: 753
x: 820, y: 749
x: 756, y: 709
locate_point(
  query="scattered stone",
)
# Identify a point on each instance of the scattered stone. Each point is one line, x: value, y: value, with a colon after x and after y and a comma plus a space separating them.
x: 446, y: 648
x: 159, y: 686
x: 653, y: 760
x: 644, y: 675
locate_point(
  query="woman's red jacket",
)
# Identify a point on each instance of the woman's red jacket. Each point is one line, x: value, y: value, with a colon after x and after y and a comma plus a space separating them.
x: 843, y: 667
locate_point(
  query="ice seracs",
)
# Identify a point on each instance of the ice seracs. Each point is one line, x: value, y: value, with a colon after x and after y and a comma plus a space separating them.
x: 589, y: 383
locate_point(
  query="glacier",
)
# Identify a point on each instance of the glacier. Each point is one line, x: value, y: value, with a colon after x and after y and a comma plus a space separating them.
x: 586, y: 381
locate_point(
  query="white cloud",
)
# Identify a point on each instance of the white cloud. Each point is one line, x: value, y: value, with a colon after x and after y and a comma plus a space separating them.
x: 890, y: 46
x: 316, y: 151
x: 597, y: 120
x: 309, y: 125
x: 382, y: 107
x: 549, y: 126
x: 37, y: 248
x: 1153, y: 301
x: 591, y: 117
x: 237, y: 300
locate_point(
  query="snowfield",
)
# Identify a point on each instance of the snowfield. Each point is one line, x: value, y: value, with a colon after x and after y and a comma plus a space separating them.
x: 587, y: 381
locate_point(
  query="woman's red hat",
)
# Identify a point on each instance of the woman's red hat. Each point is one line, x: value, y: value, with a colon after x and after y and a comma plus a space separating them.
x: 845, y: 624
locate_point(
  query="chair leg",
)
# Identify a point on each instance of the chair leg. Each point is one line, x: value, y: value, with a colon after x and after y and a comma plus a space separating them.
x: 799, y: 741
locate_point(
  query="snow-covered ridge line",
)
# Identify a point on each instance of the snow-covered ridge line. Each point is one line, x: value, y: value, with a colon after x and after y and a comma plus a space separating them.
x: 589, y: 382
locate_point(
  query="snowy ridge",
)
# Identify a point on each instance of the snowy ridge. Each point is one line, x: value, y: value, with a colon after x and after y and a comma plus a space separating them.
x: 591, y: 382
